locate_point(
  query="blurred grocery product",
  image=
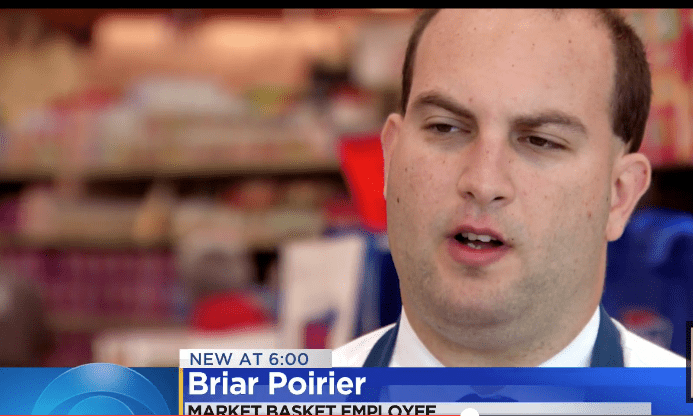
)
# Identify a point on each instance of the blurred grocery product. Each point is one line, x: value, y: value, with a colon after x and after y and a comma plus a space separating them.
x: 26, y: 339
x: 153, y: 222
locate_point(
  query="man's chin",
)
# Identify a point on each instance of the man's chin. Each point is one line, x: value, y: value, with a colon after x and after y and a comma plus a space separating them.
x: 470, y: 314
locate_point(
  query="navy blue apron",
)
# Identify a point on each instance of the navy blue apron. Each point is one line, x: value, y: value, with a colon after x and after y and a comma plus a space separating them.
x: 607, y: 350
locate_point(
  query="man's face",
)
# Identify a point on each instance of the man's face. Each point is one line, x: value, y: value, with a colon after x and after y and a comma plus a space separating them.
x: 507, y: 135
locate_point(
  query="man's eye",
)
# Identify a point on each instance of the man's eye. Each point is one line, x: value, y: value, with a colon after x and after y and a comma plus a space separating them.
x: 442, y: 128
x: 541, y: 142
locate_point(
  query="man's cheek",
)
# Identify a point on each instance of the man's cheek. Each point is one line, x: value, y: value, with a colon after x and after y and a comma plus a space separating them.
x: 579, y: 213
x: 417, y: 200
x: 556, y: 216
x: 430, y: 176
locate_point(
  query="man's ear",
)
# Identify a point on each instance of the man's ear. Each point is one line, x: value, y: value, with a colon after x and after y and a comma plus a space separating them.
x: 388, y: 139
x: 631, y: 178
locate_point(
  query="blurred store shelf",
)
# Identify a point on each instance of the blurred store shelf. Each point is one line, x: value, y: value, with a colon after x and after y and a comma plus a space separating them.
x: 259, y: 244
x: 26, y: 174
x: 190, y: 170
x: 177, y: 170
x: 262, y: 231
x: 76, y: 322
x: 159, y: 347
x: 62, y: 243
x: 122, y: 159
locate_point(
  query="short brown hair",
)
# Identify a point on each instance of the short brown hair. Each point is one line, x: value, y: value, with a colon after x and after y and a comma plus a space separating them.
x: 630, y: 101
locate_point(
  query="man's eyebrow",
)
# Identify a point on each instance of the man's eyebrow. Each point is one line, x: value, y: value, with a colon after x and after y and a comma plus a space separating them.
x: 439, y: 100
x: 551, y: 117
x: 527, y: 121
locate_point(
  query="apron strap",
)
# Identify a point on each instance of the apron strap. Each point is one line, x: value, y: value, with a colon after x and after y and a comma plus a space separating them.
x: 381, y: 353
x: 607, y: 351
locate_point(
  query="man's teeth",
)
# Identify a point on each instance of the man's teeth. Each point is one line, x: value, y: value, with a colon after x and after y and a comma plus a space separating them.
x: 473, y: 237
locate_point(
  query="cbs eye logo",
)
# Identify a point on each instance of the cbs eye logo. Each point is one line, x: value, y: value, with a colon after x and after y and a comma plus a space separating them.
x: 100, y: 389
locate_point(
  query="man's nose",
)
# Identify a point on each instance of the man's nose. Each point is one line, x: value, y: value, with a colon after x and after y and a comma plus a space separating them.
x: 485, y: 175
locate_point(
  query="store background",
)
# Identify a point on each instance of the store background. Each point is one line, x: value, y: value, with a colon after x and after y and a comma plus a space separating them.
x: 194, y: 178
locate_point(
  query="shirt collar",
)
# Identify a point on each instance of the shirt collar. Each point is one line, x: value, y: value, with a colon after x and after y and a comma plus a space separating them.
x: 411, y: 352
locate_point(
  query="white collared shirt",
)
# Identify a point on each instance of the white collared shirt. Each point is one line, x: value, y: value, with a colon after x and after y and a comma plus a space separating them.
x: 411, y: 352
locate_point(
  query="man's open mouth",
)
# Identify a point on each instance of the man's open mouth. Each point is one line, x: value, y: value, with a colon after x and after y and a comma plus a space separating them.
x: 478, y: 241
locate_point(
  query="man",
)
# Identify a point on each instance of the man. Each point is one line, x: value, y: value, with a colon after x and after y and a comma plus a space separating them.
x: 510, y: 168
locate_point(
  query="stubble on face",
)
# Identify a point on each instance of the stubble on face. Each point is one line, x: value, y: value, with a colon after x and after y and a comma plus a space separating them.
x: 487, y: 308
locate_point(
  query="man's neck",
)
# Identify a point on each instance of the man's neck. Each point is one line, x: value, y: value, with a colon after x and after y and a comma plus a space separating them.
x: 515, y: 352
